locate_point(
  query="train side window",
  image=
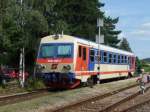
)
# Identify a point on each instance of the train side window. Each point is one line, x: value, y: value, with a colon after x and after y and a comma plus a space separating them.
x: 110, y: 58
x: 128, y: 60
x: 114, y: 58
x: 80, y: 51
x: 92, y: 53
x: 105, y: 57
x: 125, y: 58
x: 101, y: 56
x: 121, y: 60
x: 84, y: 53
x: 98, y: 56
x: 118, y: 59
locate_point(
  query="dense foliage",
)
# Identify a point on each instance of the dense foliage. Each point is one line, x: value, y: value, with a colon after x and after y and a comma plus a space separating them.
x: 138, y: 66
x: 22, y: 25
x: 110, y: 32
x: 125, y: 45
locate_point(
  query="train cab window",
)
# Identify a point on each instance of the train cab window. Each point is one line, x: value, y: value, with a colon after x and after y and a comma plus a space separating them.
x: 84, y: 53
x: 118, y: 59
x: 110, y: 58
x: 92, y: 53
x: 105, y: 57
x: 80, y: 51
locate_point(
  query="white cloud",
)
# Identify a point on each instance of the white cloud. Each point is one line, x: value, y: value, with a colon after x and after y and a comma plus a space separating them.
x: 146, y: 25
x: 142, y: 32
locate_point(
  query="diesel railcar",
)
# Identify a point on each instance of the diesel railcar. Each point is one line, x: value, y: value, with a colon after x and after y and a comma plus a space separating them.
x: 66, y: 61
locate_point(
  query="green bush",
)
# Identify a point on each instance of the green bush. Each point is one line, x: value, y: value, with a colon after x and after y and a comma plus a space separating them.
x: 34, y: 83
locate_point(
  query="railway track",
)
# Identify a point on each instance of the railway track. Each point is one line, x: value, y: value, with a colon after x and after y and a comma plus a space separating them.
x: 86, y: 104
x: 136, y: 106
x: 140, y: 103
x: 10, y: 99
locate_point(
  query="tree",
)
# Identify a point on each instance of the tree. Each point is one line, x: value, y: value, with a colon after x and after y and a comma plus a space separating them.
x: 80, y: 16
x: 21, y: 27
x: 24, y: 25
x: 124, y: 45
x: 110, y: 32
x: 138, y: 66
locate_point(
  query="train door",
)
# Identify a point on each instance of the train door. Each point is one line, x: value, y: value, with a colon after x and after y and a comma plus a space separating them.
x: 91, y: 59
x: 82, y: 58
x: 132, y: 63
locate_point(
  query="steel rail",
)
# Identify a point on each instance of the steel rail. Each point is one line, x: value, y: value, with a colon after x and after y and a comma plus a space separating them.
x: 135, y: 106
x: 11, y: 99
x: 90, y: 99
x: 108, y: 109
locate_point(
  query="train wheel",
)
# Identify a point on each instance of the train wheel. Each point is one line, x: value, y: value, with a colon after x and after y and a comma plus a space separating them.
x: 95, y: 79
x: 129, y: 75
x: 90, y: 82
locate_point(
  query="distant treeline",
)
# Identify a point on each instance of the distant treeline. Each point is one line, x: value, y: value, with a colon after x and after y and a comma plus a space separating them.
x: 146, y: 60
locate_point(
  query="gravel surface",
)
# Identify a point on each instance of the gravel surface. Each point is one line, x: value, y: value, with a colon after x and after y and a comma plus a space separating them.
x: 143, y: 108
x: 61, y: 98
x: 137, y: 100
x: 101, y: 104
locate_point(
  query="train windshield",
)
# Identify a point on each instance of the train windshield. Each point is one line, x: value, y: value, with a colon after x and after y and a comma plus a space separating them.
x: 56, y: 50
x: 64, y: 50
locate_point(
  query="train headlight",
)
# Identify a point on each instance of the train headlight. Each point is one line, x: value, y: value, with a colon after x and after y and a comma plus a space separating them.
x: 66, y: 68
x: 41, y: 66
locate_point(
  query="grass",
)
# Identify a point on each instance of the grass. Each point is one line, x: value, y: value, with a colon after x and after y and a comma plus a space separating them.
x: 146, y: 66
x: 13, y: 87
x: 147, y: 69
x: 64, y: 97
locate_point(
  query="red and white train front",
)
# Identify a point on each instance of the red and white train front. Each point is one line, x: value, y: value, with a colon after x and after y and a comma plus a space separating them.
x: 55, y: 64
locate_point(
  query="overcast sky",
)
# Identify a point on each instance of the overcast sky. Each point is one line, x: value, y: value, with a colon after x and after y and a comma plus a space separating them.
x: 134, y: 21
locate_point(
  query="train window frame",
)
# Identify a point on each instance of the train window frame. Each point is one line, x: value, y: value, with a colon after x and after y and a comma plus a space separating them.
x: 92, y: 55
x: 80, y: 51
x: 84, y: 53
x: 105, y: 57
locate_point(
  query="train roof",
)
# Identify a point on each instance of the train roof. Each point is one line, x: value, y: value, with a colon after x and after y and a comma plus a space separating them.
x: 74, y: 39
